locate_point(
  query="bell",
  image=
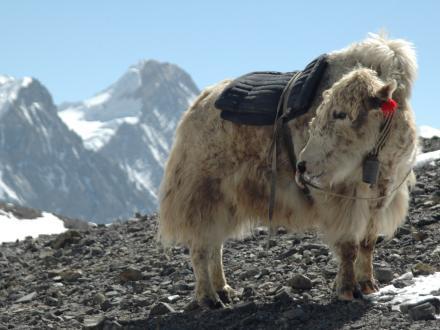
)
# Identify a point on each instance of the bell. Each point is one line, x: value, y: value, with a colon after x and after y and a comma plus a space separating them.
x: 370, y: 170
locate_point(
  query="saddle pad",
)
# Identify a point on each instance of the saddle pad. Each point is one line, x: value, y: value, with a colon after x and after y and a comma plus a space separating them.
x: 253, y: 99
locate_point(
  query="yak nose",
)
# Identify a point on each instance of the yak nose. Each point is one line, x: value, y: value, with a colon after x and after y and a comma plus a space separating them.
x: 301, y: 166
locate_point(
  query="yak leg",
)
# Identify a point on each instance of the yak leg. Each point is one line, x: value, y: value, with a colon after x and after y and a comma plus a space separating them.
x: 223, y: 290
x: 346, y: 285
x: 364, y: 265
x: 205, y: 294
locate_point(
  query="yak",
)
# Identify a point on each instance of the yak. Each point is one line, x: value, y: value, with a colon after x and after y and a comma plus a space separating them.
x: 217, y: 180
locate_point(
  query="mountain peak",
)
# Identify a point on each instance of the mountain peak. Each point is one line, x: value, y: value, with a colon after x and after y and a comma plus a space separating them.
x: 152, y: 63
x: 22, y: 82
x: 145, y: 63
x: 148, y: 88
x: 27, y: 89
x: 4, y: 79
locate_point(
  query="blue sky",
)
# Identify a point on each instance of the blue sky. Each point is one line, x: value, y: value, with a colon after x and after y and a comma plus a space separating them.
x: 78, y: 48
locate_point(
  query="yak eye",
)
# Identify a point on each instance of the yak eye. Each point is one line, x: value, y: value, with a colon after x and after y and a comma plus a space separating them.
x: 339, y: 115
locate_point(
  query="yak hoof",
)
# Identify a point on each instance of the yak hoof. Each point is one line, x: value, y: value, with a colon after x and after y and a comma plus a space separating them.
x: 369, y: 286
x: 348, y: 294
x: 226, y: 294
x: 212, y: 303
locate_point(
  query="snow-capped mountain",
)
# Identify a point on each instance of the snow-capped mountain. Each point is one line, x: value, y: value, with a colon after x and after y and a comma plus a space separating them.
x: 132, y: 122
x: 45, y: 165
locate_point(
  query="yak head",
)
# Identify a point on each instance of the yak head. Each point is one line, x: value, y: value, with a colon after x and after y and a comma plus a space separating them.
x: 345, y: 129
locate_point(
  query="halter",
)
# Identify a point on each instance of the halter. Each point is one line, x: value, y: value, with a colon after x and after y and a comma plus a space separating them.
x: 370, y: 168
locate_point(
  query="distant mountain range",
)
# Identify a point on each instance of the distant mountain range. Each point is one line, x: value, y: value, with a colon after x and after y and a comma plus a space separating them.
x: 99, y: 159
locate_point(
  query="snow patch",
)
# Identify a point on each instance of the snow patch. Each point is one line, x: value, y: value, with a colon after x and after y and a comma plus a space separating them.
x: 191, y: 96
x: 130, y: 120
x: 128, y: 83
x: 13, y: 228
x: 421, y: 289
x: 97, y: 100
x: 427, y: 157
x: 428, y: 132
x: 158, y: 146
x: 26, y: 81
x: 8, y: 93
x: 5, y: 79
x: 160, y: 117
x: 94, y: 133
x: 141, y: 179
x: 6, y: 193
x: 9, y: 87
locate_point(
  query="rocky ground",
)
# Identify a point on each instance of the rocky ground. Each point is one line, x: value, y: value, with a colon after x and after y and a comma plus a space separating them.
x: 111, y: 277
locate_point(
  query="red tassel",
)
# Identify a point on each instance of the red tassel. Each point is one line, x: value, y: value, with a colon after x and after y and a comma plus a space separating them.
x: 389, y: 107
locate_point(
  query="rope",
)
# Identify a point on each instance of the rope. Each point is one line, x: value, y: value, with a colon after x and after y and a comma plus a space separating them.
x: 331, y: 193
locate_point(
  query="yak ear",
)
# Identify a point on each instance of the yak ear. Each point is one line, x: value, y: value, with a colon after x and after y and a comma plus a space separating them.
x: 386, y: 92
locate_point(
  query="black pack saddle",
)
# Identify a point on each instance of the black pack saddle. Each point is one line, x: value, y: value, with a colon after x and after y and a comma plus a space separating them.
x: 253, y: 99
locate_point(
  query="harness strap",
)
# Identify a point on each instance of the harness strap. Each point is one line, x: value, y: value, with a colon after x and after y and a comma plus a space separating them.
x: 280, y: 130
x: 288, y: 144
x: 384, y: 133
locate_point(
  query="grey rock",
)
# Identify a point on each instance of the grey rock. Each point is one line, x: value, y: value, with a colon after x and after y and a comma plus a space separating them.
x: 46, y: 253
x: 306, y: 297
x: 51, y: 301
x: 99, y: 298
x: 70, y: 275
x: 141, y: 301
x: 106, y: 305
x: 94, y: 322
x: 27, y: 298
x: 403, y: 281
x: 404, y: 308
x: 161, y: 308
x: 96, y: 251
x: 435, y: 292
x: 300, y: 282
x: 383, y: 275
x: 284, y: 297
x: 183, y: 286
x: 288, y: 253
x: 130, y: 274
x: 249, y: 273
x: 422, y: 269
x: 65, y: 239
x: 424, y: 311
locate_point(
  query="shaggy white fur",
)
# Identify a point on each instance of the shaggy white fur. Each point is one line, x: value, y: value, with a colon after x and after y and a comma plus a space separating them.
x: 216, y: 182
